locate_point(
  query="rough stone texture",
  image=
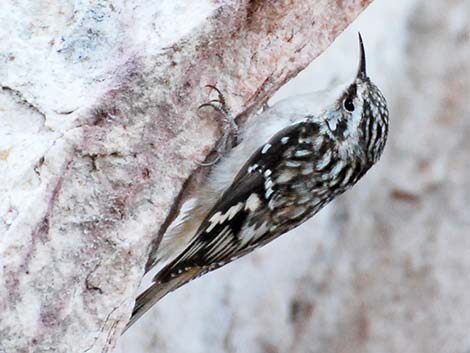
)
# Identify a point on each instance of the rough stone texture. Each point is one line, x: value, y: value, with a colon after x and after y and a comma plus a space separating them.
x: 386, y: 268
x: 98, y: 133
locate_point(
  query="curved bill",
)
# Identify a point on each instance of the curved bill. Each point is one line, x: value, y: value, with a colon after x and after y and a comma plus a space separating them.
x: 361, y: 72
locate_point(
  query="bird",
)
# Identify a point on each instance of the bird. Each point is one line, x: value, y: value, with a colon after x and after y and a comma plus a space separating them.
x: 291, y: 160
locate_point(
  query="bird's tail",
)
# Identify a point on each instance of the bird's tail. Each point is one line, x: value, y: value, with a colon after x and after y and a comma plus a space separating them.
x: 145, y: 301
x: 154, y: 293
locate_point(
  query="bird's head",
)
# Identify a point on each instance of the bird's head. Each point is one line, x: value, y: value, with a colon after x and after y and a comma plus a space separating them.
x: 360, y: 115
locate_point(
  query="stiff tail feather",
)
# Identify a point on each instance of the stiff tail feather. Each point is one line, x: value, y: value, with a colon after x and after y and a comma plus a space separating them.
x: 156, y: 292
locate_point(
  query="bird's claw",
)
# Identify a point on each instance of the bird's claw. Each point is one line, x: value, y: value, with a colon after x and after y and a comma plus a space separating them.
x: 230, y: 129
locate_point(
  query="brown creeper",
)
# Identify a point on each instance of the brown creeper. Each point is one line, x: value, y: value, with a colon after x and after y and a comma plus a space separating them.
x: 292, y: 160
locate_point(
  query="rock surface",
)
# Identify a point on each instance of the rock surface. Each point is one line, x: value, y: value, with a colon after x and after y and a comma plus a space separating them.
x: 98, y: 133
x: 386, y: 268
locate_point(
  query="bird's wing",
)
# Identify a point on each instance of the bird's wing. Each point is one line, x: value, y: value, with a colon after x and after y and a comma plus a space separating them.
x: 229, y: 230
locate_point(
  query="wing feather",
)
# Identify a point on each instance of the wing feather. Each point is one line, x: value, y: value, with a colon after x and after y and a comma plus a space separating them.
x: 219, y: 238
x: 241, y: 219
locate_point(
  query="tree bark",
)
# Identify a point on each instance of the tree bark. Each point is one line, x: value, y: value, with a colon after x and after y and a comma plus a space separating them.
x: 99, y: 132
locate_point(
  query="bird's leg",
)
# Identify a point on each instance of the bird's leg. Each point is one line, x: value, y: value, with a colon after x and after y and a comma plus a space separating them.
x: 230, y: 127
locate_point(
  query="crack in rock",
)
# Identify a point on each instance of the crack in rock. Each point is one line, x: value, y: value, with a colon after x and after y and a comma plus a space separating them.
x: 20, y: 98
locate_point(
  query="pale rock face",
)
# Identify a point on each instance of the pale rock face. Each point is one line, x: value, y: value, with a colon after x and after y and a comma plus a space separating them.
x: 385, y: 267
x: 98, y: 133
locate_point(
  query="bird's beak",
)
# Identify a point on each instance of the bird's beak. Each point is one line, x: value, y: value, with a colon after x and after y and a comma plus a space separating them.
x: 361, y: 72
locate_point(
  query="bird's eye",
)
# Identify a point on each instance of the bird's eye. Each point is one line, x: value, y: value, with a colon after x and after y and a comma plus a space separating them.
x: 348, y: 104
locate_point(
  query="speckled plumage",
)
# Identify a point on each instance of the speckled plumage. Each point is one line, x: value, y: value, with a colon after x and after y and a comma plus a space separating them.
x: 294, y: 159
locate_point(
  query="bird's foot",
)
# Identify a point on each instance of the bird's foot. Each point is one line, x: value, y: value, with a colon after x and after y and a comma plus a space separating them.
x: 230, y: 127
